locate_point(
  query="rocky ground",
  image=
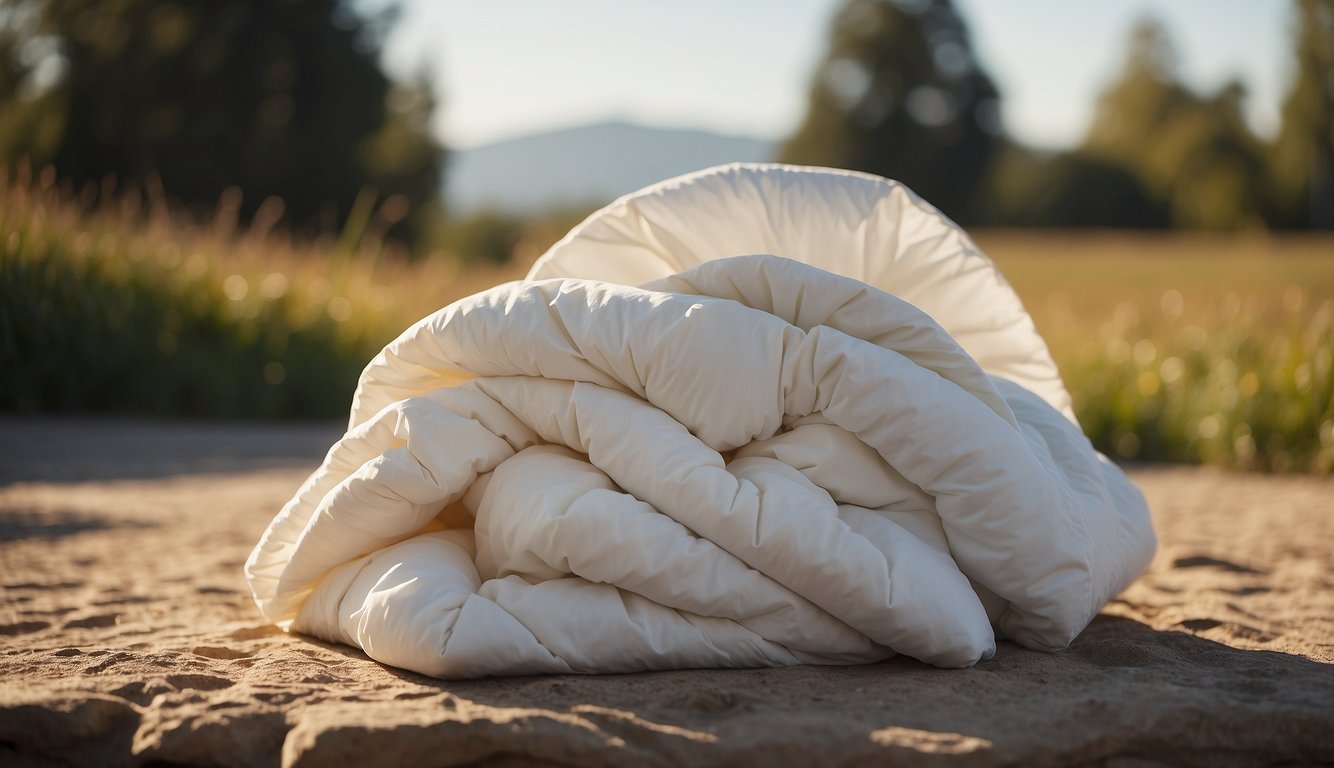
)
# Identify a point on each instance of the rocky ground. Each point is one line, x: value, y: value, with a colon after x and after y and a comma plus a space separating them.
x: 127, y: 636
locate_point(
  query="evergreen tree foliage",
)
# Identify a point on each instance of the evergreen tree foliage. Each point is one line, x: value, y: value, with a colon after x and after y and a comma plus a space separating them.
x: 277, y: 98
x: 1194, y: 154
x: 31, y: 114
x: 1302, y: 158
x: 900, y: 94
x: 1029, y: 188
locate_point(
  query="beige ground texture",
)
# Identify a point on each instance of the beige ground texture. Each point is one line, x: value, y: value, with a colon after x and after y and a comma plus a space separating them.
x: 128, y: 637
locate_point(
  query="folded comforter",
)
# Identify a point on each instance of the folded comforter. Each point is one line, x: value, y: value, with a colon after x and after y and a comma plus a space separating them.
x: 660, y: 452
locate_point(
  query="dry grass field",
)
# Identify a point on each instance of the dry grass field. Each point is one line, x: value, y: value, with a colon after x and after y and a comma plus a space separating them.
x: 1188, y: 347
x: 1178, y: 347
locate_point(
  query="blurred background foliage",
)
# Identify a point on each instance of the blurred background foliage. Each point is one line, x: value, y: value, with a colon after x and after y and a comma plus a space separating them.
x: 284, y: 104
x: 114, y: 307
x: 901, y: 94
x: 225, y: 209
x: 281, y: 103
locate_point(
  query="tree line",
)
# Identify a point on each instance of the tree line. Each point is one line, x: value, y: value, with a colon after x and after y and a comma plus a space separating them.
x: 283, y: 104
x: 900, y: 94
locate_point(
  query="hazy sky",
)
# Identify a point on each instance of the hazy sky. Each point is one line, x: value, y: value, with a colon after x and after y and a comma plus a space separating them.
x: 509, y: 67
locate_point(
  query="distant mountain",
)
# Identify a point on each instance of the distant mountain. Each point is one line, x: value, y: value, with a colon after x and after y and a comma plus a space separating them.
x: 584, y: 166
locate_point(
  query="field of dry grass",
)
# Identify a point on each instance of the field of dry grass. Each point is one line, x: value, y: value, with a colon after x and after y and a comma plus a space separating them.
x: 1181, y: 347
x: 1188, y: 347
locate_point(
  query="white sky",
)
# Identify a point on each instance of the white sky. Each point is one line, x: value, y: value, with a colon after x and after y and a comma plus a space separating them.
x: 510, y: 67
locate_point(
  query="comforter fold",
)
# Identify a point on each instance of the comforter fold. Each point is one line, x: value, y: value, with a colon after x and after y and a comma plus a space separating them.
x: 750, y: 462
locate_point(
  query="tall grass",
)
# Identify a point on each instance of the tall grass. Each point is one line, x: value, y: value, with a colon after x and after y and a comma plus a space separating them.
x: 1178, y: 348
x: 116, y: 309
x: 1189, y: 348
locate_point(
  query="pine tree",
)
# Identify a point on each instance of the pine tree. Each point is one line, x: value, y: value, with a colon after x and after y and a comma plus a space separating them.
x: 1302, y: 158
x: 1194, y: 154
x: 281, y: 98
x: 900, y: 94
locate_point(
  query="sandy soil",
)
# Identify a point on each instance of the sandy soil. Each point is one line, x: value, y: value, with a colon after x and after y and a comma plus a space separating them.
x: 127, y: 636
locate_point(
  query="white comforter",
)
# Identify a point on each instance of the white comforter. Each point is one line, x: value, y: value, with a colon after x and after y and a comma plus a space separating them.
x: 745, y: 461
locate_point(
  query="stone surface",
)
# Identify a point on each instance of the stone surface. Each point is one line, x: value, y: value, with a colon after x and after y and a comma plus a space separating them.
x: 128, y: 637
